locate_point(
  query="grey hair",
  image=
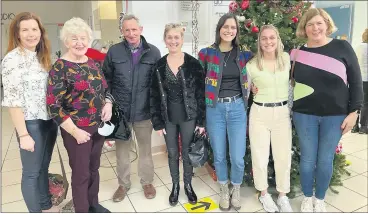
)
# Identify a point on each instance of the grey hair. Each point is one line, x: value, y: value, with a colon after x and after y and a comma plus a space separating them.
x: 124, y: 17
x: 98, y: 44
x: 75, y: 26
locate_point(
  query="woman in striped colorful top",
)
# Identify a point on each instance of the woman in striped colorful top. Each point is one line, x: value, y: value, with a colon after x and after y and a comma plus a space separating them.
x: 327, y: 97
x: 226, y: 93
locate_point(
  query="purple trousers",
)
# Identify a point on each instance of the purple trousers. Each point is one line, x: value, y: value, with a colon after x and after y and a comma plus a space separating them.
x: 84, y: 160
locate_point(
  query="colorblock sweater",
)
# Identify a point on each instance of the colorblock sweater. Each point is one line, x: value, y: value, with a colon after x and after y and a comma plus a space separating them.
x: 212, y: 60
x: 328, y: 80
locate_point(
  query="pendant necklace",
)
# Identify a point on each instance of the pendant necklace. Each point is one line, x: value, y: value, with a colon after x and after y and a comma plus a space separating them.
x: 227, y: 58
x: 89, y: 72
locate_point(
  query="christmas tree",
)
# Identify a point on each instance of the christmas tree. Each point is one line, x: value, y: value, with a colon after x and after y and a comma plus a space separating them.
x: 284, y: 15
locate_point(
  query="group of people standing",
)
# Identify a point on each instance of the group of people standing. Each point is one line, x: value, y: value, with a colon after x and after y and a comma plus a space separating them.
x: 179, y: 94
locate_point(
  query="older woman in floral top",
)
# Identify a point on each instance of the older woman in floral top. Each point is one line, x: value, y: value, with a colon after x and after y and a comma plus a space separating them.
x: 77, y: 101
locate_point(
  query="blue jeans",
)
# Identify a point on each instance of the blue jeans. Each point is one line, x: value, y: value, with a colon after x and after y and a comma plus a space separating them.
x: 230, y: 118
x: 318, y: 138
x: 35, y: 180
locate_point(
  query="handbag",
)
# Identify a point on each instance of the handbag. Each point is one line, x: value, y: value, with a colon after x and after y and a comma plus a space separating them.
x: 198, y: 149
x: 121, y: 130
x: 58, y: 184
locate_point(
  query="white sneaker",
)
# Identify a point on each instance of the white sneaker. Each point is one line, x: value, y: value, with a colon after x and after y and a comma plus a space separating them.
x: 268, y: 203
x: 319, y: 206
x: 284, y: 204
x: 307, y: 205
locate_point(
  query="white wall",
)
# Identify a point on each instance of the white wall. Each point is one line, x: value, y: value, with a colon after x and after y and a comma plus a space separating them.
x: 359, y: 17
x: 153, y: 16
x: 360, y: 22
x: 163, y: 12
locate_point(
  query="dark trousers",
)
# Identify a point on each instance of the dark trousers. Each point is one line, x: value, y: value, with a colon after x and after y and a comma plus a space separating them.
x: 186, y: 130
x: 84, y: 160
x: 364, y: 112
x: 35, y: 165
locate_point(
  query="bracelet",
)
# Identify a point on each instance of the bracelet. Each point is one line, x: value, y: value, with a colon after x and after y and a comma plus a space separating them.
x: 25, y: 135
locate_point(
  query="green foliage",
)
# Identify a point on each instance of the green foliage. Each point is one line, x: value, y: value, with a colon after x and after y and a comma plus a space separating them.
x: 267, y: 12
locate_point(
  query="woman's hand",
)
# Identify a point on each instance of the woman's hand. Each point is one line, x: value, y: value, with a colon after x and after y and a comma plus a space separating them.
x: 161, y: 132
x: 349, y: 122
x: 201, y: 129
x: 81, y: 136
x: 106, y: 112
x: 254, y: 89
x: 27, y: 143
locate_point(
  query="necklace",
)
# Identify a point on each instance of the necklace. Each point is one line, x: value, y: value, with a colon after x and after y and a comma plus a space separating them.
x: 90, y: 76
x: 228, y: 56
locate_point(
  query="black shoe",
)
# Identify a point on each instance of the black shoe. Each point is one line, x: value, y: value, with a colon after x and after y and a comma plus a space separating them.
x: 98, y: 209
x: 363, y: 130
x: 174, y: 196
x: 192, y: 197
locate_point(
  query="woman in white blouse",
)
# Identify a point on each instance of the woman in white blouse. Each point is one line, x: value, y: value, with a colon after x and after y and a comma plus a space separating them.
x: 362, y: 54
x: 24, y: 74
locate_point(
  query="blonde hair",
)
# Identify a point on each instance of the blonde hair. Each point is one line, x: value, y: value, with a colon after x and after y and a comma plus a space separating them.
x: 279, y: 49
x: 75, y: 26
x: 171, y: 26
x: 331, y: 27
x: 365, y: 36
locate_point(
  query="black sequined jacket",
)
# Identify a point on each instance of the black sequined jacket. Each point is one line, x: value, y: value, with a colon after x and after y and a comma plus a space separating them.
x: 193, y: 77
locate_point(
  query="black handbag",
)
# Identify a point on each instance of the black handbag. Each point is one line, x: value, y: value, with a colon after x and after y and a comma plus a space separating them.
x: 198, y: 149
x: 121, y: 130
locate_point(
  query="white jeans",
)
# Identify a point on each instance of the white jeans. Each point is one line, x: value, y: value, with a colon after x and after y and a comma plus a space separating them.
x: 270, y: 125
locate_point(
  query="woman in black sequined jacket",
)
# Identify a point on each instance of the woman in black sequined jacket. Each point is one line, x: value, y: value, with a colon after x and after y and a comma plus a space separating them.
x: 177, y: 105
x: 193, y: 92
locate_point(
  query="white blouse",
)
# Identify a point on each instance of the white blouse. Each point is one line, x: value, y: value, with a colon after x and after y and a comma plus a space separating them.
x: 362, y: 54
x: 25, y: 84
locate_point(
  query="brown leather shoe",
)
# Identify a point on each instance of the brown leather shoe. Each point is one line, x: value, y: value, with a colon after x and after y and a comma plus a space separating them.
x: 149, y: 191
x: 119, y: 194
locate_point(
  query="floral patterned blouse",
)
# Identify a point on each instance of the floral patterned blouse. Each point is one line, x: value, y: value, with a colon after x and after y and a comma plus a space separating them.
x: 24, y: 81
x: 76, y: 91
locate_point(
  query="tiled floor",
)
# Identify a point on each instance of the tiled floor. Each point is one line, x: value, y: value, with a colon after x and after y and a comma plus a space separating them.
x: 352, y: 196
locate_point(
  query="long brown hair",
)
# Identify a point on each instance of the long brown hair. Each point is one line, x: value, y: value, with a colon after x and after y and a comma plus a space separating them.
x: 43, y: 47
x: 221, y: 23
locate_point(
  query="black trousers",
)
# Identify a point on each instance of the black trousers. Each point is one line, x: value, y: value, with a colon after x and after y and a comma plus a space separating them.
x: 35, y: 165
x: 186, y: 130
x: 364, y: 111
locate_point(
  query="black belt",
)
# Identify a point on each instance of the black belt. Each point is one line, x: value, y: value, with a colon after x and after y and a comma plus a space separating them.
x: 229, y: 99
x: 272, y: 104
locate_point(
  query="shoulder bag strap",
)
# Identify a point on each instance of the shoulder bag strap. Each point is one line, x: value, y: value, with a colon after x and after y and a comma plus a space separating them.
x: 293, y: 66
